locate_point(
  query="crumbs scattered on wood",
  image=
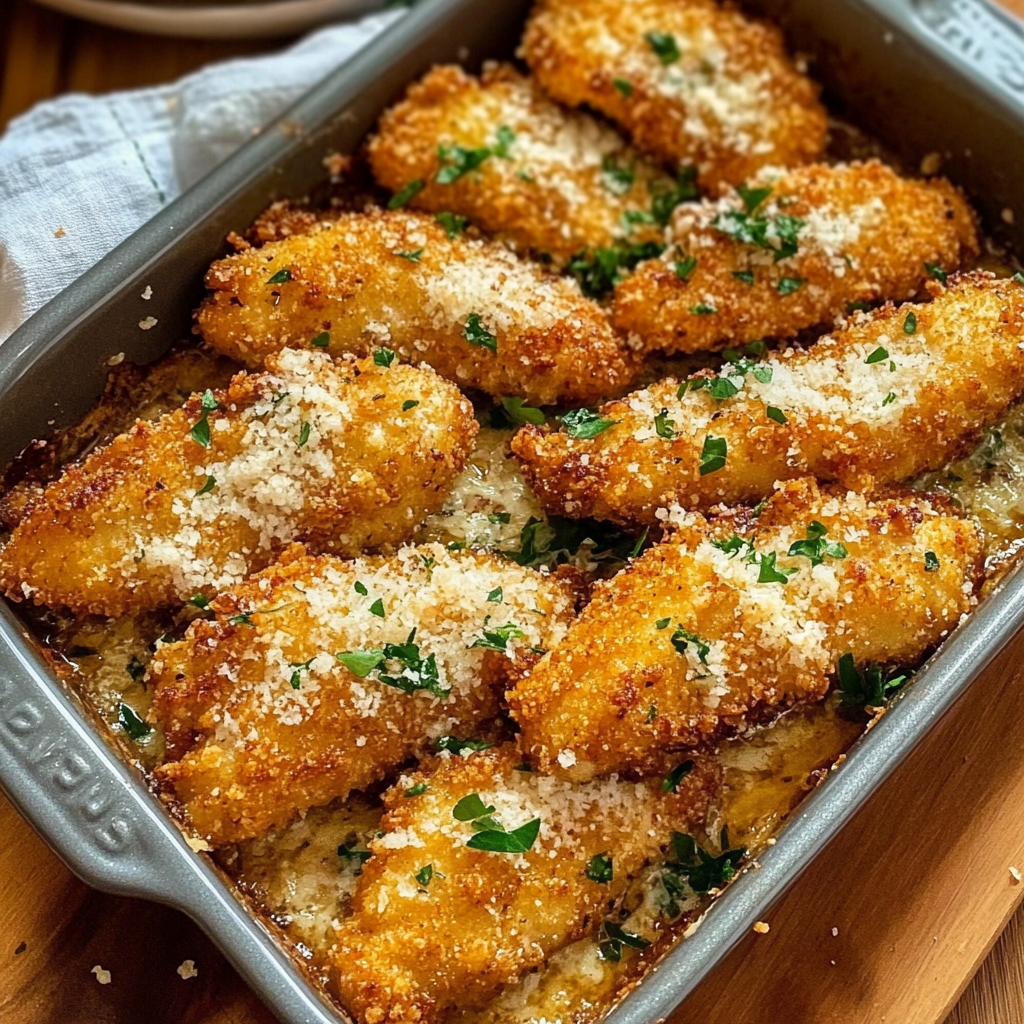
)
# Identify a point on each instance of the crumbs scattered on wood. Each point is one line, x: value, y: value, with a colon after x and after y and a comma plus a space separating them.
x: 102, y: 976
x: 187, y: 969
x: 1015, y: 874
x: 150, y: 321
x: 148, y: 293
x: 762, y: 927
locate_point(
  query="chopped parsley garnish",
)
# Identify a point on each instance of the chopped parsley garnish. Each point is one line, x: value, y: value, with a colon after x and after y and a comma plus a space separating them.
x: 769, y: 572
x: 476, y: 334
x: 453, y: 223
x: 200, y: 431
x: 910, y: 324
x: 865, y: 689
x: 815, y: 546
x: 1018, y: 277
x: 662, y: 623
x: 383, y: 357
x: 746, y: 276
x: 424, y: 875
x: 773, y: 412
x: 496, y: 596
x: 712, y: 455
x: 630, y: 218
x: 734, y: 546
x: 409, y: 403
x: 377, y: 608
x: 242, y: 619
x: 134, y: 727
x: 457, y: 161
x: 137, y: 670
x: 471, y: 807
x: 416, y: 672
x: 652, y: 714
x: 664, y: 45
x: 350, y: 853
x: 701, y: 870
x: 585, y: 423
x: 931, y: 561
x: 788, y: 285
x: 412, y: 256
x: 456, y: 746
x: 703, y: 309
x: 889, y: 398
x: 524, y: 175
x: 519, y: 412
x: 684, y: 268
x: 599, y: 270
x: 322, y: 340
x: 404, y: 194
x: 360, y: 588
x: 613, y: 938
x: 751, y: 228
x: 877, y: 356
x: 665, y: 427
x: 295, y: 679
x: 280, y: 277
x: 499, y: 517
x: 304, y: 432
x: 497, y: 639
x: 199, y: 600
x: 600, y: 869
x: 623, y: 86
x: 665, y: 200
x: 617, y: 178
x: 681, y: 640
x: 78, y: 651
x: 559, y: 540
x: 753, y: 197
x: 860, y: 306
x: 489, y: 834
x: 505, y: 137
x: 418, y: 790
x: 934, y: 270
x: 670, y: 783
x: 208, y: 486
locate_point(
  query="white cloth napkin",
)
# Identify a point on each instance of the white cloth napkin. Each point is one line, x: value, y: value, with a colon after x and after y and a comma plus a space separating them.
x: 80, y: 173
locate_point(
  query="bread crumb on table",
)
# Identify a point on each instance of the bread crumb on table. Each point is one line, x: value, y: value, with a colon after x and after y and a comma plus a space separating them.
x: 1015, y: 874
x: 762, y: 927
x: 150, y: 321
x: 102, y: 976
x: 59, y: 233
x: 187, y: 969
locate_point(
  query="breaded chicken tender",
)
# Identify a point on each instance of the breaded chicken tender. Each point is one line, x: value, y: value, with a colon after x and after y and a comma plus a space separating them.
x: 474, y: 311
x: 440, y: 925
x: 320, y: 676
x: 891, y: 395
x: 344, y: 455
x: 497, y: 151
x: 791, y: 252
x: 693, y: 81
x: 712, y: 624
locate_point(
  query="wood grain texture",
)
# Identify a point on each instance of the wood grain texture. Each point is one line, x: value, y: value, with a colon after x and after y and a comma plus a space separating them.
x: 918, y: 884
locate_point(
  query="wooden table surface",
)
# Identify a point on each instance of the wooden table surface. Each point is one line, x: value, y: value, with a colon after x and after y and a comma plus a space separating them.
x: 917, y: 886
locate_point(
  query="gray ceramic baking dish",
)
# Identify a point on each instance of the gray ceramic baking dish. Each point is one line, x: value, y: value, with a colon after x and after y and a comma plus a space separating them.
x: 925, y: 76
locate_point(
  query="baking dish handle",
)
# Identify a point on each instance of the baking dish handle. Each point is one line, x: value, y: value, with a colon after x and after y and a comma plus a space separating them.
x: 98, y: 816
x: 985, y: 39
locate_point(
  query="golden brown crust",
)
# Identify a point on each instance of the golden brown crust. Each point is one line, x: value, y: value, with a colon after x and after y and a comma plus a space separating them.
x: 846, y: 418
x: 866, y: 234
x: 731, y: 103
x: 414, y: 953
x: 566, y: 181
x: 627, y: 689
x: 349, y: 281
x: 262, y: 719
x: 311, y: 450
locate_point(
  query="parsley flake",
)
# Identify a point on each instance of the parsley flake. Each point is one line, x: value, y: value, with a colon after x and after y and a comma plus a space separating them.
x: 585, y: 423
x: 519, y: 412
x: 200, y: 431
x: 877, y: 356
x: 614, y: 938
x: 361, y: 663
x: 788, y: 285
x: 418, y: 790
x: 383, y: 357
x: 865, y: 689
x: 769, y: 572
x: 280, y: 277
x: 424, y: 875
x: 617, y: 178
x: 350, y: 853
x: 670, y: 783
x: 815, y: 547
x: 931, y: 561
x: 130, y: 722
x: 600, y: 869
x: 453, y: 223
x: 746, y: 276
x: 409, y: 403
x: 773, y: 412
x: 703, y: 309
x: 684, y: 268
x: 497, y: 639
x: 712, y: 455
x: 377, y: 608
x: 1018, y: 277
x: 208, y: 486
x: 404, y: 194
x: 910, y: 324
x: 495, y: 596
x: 200, y: 601
x: 413, y: 256
x: 665, y: 427
x: 360, y: 588
x: 456, y: 746
x: 664, y: 45
x: 135, y: 669
x: 624, y: 87
x: 682, y: 638
x: 476, y: 334
x: 304, y: 432
x: 934, y: 270
x: 322, y: 340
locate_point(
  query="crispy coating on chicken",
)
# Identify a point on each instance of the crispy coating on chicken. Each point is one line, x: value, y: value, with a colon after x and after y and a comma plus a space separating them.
x: 329, y: 453
x: 856, y: 233
x: 414, y: 950
x: 892, y: 394
x: 711, y: 624
x: 320, y: 676
x: 475, y: 312
x: 693, y: 81
x: 548, y: 180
